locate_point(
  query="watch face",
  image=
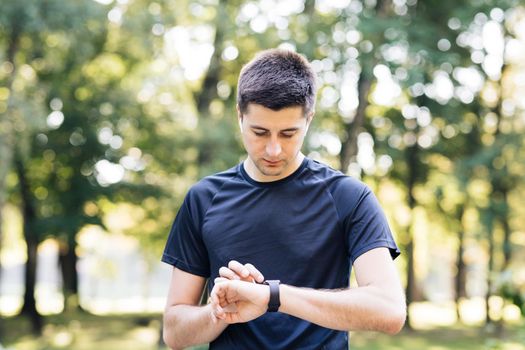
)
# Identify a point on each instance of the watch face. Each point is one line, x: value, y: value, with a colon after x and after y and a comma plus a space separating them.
x: 271, y: 281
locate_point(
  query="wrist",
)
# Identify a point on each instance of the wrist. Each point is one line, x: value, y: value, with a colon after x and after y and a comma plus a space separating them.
x: 213, y: 318
x: 284, y: 294
x: 266, y: 293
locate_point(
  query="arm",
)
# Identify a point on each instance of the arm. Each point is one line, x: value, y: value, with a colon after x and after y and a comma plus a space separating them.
x: 377, y: 304
x: 183, y: 316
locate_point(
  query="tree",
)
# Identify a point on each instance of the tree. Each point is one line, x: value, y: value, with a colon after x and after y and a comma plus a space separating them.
x: 19, y: 23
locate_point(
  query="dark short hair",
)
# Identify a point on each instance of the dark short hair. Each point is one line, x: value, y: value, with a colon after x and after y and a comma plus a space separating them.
x: 277, y: 79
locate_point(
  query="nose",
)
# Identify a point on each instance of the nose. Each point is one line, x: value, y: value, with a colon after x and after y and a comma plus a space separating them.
x: 273, y: 148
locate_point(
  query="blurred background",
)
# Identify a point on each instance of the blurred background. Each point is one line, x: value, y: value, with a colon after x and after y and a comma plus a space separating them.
x: 111, y: 109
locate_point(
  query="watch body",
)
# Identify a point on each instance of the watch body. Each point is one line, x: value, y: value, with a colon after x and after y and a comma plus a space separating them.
x: 275, y: 301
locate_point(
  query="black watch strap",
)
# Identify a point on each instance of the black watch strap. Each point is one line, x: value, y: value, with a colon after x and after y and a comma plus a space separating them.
x: 275, y: 301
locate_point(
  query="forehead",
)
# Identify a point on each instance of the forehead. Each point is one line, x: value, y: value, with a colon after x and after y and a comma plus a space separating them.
x: 289, y: 117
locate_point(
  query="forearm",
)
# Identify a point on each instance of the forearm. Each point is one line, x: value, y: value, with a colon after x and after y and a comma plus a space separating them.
x: 363, y: 308
x: 187, y: 325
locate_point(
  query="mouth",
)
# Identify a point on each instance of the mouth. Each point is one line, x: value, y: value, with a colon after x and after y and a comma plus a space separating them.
x: 271, y: 163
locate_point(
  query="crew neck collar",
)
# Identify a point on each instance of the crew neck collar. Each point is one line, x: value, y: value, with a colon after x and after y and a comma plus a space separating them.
x: 276, y: 182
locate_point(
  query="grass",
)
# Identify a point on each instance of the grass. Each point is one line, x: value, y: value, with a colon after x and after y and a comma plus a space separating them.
x: 83, y: 331
x: 442, y: 338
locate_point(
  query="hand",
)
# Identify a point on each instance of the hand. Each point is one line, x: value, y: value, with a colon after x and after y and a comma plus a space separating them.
x: 238, y: 271
x: 238, y: 301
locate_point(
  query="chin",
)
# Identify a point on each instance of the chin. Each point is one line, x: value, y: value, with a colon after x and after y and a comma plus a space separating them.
x: 271, y: 173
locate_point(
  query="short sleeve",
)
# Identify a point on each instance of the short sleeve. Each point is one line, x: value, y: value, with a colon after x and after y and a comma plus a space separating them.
x: 185, y: 248
x: 366, y: 226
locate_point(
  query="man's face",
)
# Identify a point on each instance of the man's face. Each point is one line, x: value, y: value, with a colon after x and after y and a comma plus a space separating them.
x: 273, y: 140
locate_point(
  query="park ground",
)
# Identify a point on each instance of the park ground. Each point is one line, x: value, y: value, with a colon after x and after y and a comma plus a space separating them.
x: 85, y: 331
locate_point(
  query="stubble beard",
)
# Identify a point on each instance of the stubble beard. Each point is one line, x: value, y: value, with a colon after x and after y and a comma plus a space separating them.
x: 271, y: 171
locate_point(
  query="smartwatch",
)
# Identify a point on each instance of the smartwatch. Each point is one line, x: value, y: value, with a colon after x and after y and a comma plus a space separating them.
x: 275, y: 301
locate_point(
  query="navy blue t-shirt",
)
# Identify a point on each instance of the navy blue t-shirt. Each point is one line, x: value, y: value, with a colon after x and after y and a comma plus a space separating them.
x: 305, y: 230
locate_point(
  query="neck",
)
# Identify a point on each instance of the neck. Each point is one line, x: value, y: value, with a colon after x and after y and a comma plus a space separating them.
x: 257, y: 175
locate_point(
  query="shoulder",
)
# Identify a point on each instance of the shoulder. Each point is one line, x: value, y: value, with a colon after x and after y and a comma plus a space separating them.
x: 347, y: 193
x: 337, y: 182
x: 205, y: 189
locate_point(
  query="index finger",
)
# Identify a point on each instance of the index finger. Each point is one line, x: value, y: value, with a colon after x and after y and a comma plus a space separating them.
x: 228, y: 273
x: 256, y: 274
x: 238, y: 268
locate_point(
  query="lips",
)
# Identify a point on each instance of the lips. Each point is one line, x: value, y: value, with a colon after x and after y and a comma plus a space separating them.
x: 272, y: 163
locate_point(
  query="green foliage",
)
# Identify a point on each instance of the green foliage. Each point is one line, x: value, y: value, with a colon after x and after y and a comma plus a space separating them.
x: 119, y: 75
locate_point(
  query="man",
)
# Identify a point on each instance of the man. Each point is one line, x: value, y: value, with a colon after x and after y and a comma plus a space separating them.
x: 283, y: 216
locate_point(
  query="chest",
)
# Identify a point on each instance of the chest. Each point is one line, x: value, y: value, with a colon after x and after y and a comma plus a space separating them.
x: 272, y: 229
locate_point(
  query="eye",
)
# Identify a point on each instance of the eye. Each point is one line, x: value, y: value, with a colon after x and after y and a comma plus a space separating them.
x: 259, y: 133
x: 288, y: 134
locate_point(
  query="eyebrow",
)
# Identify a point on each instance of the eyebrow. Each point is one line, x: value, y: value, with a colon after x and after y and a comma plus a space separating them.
x: 284, y: 130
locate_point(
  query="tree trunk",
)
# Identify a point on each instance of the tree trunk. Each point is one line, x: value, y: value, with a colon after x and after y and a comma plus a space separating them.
x: 5, y: 160
x: 208, y: 92
x: 504, y: 219
x: 68, y: 259
x: 412, y: 155
x: 6, y: 132
x: 460, y: 274
x: 409, y: 291
x: 1, y: 318
x: 506, y: 247
x: 2, y: 202
x: 490, y: 269
x: 31, y: 237
x: 349, y: 146
x: 500, y: 206
x: 459, y: 281
x: 205, y: 294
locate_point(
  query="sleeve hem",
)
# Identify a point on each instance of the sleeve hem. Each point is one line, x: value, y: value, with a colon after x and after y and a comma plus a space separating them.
x: 184, y: 266
x: 392, y: 247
